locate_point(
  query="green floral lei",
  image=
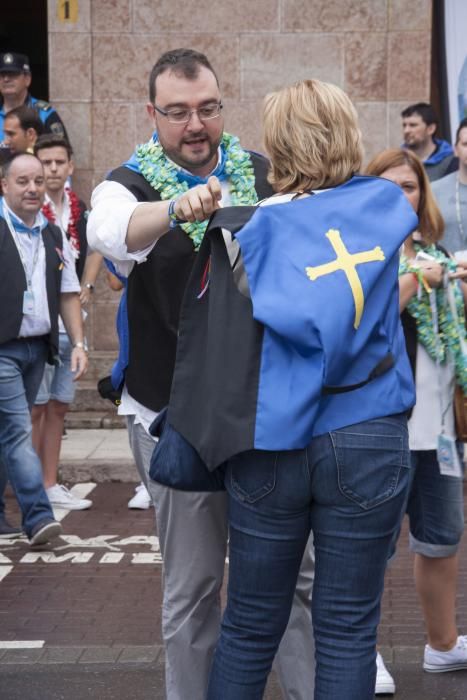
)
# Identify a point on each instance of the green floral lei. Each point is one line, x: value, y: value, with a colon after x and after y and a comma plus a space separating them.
x: 161, y: 174
x: 449, y: 330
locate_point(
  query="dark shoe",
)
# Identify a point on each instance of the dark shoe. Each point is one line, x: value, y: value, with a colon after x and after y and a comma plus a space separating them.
x: 7, y: 529
x: 45, y: 531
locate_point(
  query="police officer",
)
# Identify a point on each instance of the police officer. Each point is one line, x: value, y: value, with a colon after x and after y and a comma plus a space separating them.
x: 15, y: 79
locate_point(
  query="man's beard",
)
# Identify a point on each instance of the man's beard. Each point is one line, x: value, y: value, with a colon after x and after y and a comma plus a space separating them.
x: 193, y: 163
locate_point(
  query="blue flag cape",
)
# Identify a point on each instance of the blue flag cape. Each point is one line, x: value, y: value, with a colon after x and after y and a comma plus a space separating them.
x: 325, y: 326
x: 295, y: 361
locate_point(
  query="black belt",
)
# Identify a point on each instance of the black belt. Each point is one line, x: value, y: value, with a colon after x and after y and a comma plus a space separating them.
x: 383, y: 366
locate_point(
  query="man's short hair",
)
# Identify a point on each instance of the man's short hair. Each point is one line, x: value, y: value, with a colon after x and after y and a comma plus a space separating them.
x: 7, y: 165
x: 462, y: 125
x: 53, y: 141
x: 183, y: 62
x: 424, y: 110
x: 311, y: 135
x: 28, y: 118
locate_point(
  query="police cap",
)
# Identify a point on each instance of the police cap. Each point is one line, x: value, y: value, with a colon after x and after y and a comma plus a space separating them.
x: 14, y: 63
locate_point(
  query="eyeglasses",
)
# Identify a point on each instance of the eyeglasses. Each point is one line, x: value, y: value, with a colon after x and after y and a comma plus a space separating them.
x: 183, y: 116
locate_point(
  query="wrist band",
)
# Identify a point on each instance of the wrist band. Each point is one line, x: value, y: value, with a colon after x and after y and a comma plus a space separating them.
x: 173, y: 219
x: 418, y: 273
x: 89, y: 286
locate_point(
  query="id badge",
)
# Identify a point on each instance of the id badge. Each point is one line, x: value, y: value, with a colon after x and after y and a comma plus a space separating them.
x: 448, y: 458
x: 28, y: 303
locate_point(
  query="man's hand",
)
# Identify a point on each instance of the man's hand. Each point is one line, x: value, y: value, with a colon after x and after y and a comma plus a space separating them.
x: 200, y: 202
x: 79, y: 363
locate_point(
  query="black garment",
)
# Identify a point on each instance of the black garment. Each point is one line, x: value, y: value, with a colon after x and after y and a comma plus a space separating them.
x: 13, y: 284
x: 83, y: 241
x: 154, y: 296
x: 48, y: 115
x: 208, y: 401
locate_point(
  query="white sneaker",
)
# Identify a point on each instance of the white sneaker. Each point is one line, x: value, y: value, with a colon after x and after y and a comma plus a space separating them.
x: 455, y: 659
x: 141, y: 500
x: 384, y: 681
x: 61, y: 497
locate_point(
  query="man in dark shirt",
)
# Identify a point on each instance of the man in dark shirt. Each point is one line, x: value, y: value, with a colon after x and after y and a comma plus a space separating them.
x: 15, y: 79
x: 419, y: 123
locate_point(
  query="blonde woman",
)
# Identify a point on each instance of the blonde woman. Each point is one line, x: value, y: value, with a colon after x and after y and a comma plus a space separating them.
x: 293, y: 382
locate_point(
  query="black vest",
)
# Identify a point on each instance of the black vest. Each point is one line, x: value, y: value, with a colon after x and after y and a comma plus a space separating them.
x: 83, y: 241
x: 154, y: 296
x: 13, y: 284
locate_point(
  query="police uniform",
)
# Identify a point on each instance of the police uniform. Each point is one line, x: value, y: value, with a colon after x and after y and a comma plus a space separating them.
x: 19, y: 63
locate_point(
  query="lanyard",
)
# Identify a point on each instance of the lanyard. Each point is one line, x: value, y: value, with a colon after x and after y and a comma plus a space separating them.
x: 458, y: 211
x: 20, y: 248
x: 450, y: 299
x: 434, y: 317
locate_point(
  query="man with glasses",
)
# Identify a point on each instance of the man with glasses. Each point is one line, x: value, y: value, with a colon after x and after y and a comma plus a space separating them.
x: 15, y: 79
x: 163, y: 194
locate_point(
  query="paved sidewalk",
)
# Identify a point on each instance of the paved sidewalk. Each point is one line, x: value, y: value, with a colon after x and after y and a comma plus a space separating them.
x: 90, y: 606
x: 97, y: 455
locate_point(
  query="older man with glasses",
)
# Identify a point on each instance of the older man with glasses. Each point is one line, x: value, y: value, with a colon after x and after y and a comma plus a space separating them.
x: 163, y: 194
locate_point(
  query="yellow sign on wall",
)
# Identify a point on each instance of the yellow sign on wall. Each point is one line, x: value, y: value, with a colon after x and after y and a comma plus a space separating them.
x: 67, y: 11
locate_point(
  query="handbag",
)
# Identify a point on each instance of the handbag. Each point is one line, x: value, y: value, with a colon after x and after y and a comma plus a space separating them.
x: 107, y: 391
x: 176, y: 463
x: 460, y: 414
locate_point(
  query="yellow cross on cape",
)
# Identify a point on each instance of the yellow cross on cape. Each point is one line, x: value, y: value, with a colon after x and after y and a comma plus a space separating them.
x: 347, y: 262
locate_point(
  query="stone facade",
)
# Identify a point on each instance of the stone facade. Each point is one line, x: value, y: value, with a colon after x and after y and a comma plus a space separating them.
x: 377, y: 50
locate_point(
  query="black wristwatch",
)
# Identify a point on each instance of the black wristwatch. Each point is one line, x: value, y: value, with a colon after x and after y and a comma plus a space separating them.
x: 89, y: 286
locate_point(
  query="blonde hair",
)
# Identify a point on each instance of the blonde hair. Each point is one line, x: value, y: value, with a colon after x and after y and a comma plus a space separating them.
x: 430, y: 221
x: 311, y: 135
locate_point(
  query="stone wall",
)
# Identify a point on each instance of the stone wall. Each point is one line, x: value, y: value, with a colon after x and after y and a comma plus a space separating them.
x: 377, y: 50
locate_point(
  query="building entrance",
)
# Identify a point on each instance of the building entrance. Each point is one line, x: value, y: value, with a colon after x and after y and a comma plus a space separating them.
x: 23, y: 29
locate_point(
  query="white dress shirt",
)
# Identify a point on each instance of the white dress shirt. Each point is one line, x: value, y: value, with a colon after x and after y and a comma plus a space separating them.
x: 39, y: 323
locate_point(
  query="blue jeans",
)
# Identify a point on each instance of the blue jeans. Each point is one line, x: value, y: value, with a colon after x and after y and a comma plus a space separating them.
x: 58, y: 380
x: 435, y: 507
x: 21, y: 368
x: 349, y: 487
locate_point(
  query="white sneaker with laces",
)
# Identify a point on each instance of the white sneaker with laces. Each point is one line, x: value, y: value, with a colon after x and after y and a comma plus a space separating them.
x: 141, y: 500
x: 61, y: 497
x: 384, y: 681
x: 455, y: 659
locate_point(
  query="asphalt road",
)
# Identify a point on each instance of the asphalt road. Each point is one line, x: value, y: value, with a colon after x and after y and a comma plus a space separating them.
x: 90, y: 607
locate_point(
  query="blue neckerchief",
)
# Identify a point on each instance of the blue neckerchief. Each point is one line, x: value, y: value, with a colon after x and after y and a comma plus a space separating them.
x: 18, y: 224
x: 182, y: 174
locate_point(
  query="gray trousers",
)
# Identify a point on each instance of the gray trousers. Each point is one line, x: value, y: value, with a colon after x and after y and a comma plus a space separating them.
x: 192, y: 529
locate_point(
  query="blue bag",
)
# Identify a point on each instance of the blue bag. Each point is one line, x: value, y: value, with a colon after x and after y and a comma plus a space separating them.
x: 175, y: 463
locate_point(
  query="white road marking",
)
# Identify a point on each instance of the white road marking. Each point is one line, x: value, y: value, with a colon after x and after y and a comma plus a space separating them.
x: 32, y: 644
x: 80, y: 491
x: 112, y: 558
x: 4, y: 571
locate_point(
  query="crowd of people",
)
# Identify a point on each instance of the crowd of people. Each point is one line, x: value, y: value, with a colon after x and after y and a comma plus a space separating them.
x: 291, y: 332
